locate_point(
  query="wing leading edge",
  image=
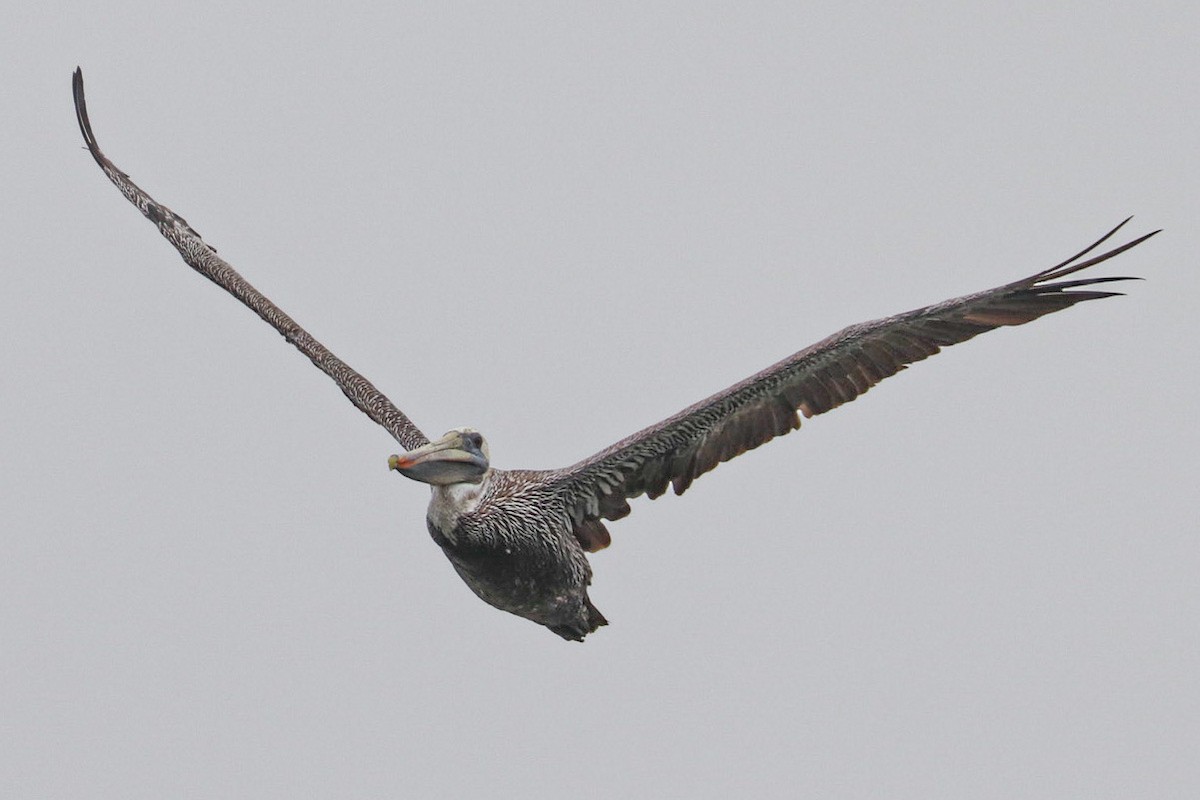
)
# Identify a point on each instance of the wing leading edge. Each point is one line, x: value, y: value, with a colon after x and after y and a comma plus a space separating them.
x: 204, y: 259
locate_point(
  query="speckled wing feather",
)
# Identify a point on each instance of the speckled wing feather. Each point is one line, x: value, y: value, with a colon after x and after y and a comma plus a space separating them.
x: 204, y: 259
x: 817, y: 379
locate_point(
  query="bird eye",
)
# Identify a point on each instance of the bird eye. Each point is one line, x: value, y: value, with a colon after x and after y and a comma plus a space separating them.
x: 476, y: 440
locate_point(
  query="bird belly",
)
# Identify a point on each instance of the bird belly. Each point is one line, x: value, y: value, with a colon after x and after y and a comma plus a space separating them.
x: 533, y: 579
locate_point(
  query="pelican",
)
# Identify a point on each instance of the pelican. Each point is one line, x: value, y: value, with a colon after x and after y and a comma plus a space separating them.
x: 520, y: 538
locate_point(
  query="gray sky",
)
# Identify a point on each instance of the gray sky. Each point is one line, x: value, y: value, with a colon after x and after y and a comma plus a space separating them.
x: 559, y: 223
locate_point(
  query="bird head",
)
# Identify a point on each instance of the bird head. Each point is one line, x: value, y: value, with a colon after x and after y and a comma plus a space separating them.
x: 461, y: 456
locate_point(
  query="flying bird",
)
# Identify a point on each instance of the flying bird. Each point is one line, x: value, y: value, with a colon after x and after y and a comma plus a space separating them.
x: 520, y: 538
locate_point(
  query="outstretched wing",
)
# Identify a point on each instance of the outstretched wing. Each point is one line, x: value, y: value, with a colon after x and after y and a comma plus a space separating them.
x: 815, y: 380
x: 204, y: 259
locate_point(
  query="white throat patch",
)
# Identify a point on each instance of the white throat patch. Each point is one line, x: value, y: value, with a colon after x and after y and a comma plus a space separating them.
x: 451, y: 501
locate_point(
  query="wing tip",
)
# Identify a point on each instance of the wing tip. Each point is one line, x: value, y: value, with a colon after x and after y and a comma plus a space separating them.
x: 1073, y: 264
x: 81, y: 114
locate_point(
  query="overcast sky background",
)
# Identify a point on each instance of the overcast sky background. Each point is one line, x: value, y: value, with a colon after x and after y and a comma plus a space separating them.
x: 558, y: 223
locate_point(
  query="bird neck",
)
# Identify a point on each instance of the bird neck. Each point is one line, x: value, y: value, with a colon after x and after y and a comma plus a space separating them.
x: 450, y: 501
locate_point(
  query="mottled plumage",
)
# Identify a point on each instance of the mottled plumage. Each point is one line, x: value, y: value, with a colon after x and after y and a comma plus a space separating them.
x: 516, y: 550
x: 519, y: 538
